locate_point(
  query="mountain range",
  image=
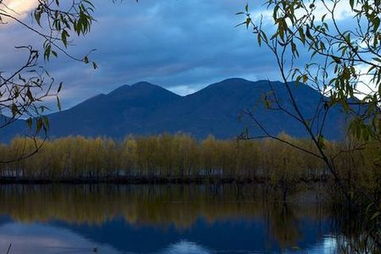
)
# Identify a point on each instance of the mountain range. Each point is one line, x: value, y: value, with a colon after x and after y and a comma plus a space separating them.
x: 147, y: 109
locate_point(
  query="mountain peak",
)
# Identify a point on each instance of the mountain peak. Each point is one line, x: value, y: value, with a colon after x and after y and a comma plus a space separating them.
x: 225, y: 86
x: 234, y: 80
x: 143, y: 84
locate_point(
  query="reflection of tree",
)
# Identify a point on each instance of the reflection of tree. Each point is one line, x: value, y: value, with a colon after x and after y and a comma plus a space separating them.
x: 154, y: 205
x: 96, y: 204
x: 284, y: 225
x: 356, y: 232
x: 360, y: 244
x: 164, y: 205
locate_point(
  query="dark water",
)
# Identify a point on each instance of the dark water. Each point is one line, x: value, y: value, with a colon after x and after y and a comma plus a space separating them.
x: 162, y: 219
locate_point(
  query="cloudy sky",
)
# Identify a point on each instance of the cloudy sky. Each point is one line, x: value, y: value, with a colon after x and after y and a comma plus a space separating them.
x: 182, y: 45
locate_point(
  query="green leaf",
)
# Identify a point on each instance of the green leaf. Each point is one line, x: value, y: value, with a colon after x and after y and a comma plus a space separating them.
x: 37, y: 16
x: 64, y: 36
x: 375, y: 215
x: 58, y: 103
x: 29, y: 122
x: 39, y: 125
x: 351, y: 3
x: 59, y: 87
x: 376, y: 23
x: 14, y: 109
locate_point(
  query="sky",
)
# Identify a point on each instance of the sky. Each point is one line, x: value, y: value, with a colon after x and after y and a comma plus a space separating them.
x: 181, y: 45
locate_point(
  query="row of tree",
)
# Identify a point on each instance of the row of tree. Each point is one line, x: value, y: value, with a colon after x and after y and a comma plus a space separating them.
x: 182, y: 156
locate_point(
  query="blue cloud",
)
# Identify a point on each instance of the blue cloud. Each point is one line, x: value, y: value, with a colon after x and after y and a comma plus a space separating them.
x: 181, y: 45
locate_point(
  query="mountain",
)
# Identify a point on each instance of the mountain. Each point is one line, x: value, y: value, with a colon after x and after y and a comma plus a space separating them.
x: 147, y: 109
x: 125, y: 110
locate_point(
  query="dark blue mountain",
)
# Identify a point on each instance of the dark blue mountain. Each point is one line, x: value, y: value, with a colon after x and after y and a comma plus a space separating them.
x: 146, y: 109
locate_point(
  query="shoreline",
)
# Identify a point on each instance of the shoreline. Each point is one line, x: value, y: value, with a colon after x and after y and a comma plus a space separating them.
x: 153, y: 180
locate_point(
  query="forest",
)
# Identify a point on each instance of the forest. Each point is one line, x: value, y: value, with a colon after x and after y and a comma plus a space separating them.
x: 181, y: 158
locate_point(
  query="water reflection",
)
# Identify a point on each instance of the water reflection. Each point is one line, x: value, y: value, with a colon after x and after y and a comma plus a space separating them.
x: 160, y: 219
x: 40, y: 238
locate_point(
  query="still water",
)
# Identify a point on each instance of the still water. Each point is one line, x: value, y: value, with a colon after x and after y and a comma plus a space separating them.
x: 161, y: 219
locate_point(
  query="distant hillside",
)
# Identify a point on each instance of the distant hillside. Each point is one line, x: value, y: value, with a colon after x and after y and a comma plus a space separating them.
x: 145, y: 109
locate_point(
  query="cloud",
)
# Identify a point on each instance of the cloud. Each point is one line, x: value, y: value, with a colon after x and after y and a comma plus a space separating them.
x: 170, y: 43
x: 183, y: 90
x: 180, y: 45
x: 341, y: 11
x: 18, y: 8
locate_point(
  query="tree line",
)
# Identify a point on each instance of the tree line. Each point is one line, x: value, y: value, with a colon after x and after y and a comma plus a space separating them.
x: 181, y: 156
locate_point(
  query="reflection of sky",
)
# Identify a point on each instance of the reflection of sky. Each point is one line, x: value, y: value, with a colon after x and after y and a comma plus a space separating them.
x: 42, y: 238
x: 185, y: 247
x: 45, y: 238
x: 327, y: 246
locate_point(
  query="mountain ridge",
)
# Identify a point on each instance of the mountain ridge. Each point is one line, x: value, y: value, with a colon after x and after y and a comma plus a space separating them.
x: 147, y: 109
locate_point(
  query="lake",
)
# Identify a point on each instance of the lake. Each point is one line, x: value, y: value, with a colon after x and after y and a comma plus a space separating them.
x: 163, y: 219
